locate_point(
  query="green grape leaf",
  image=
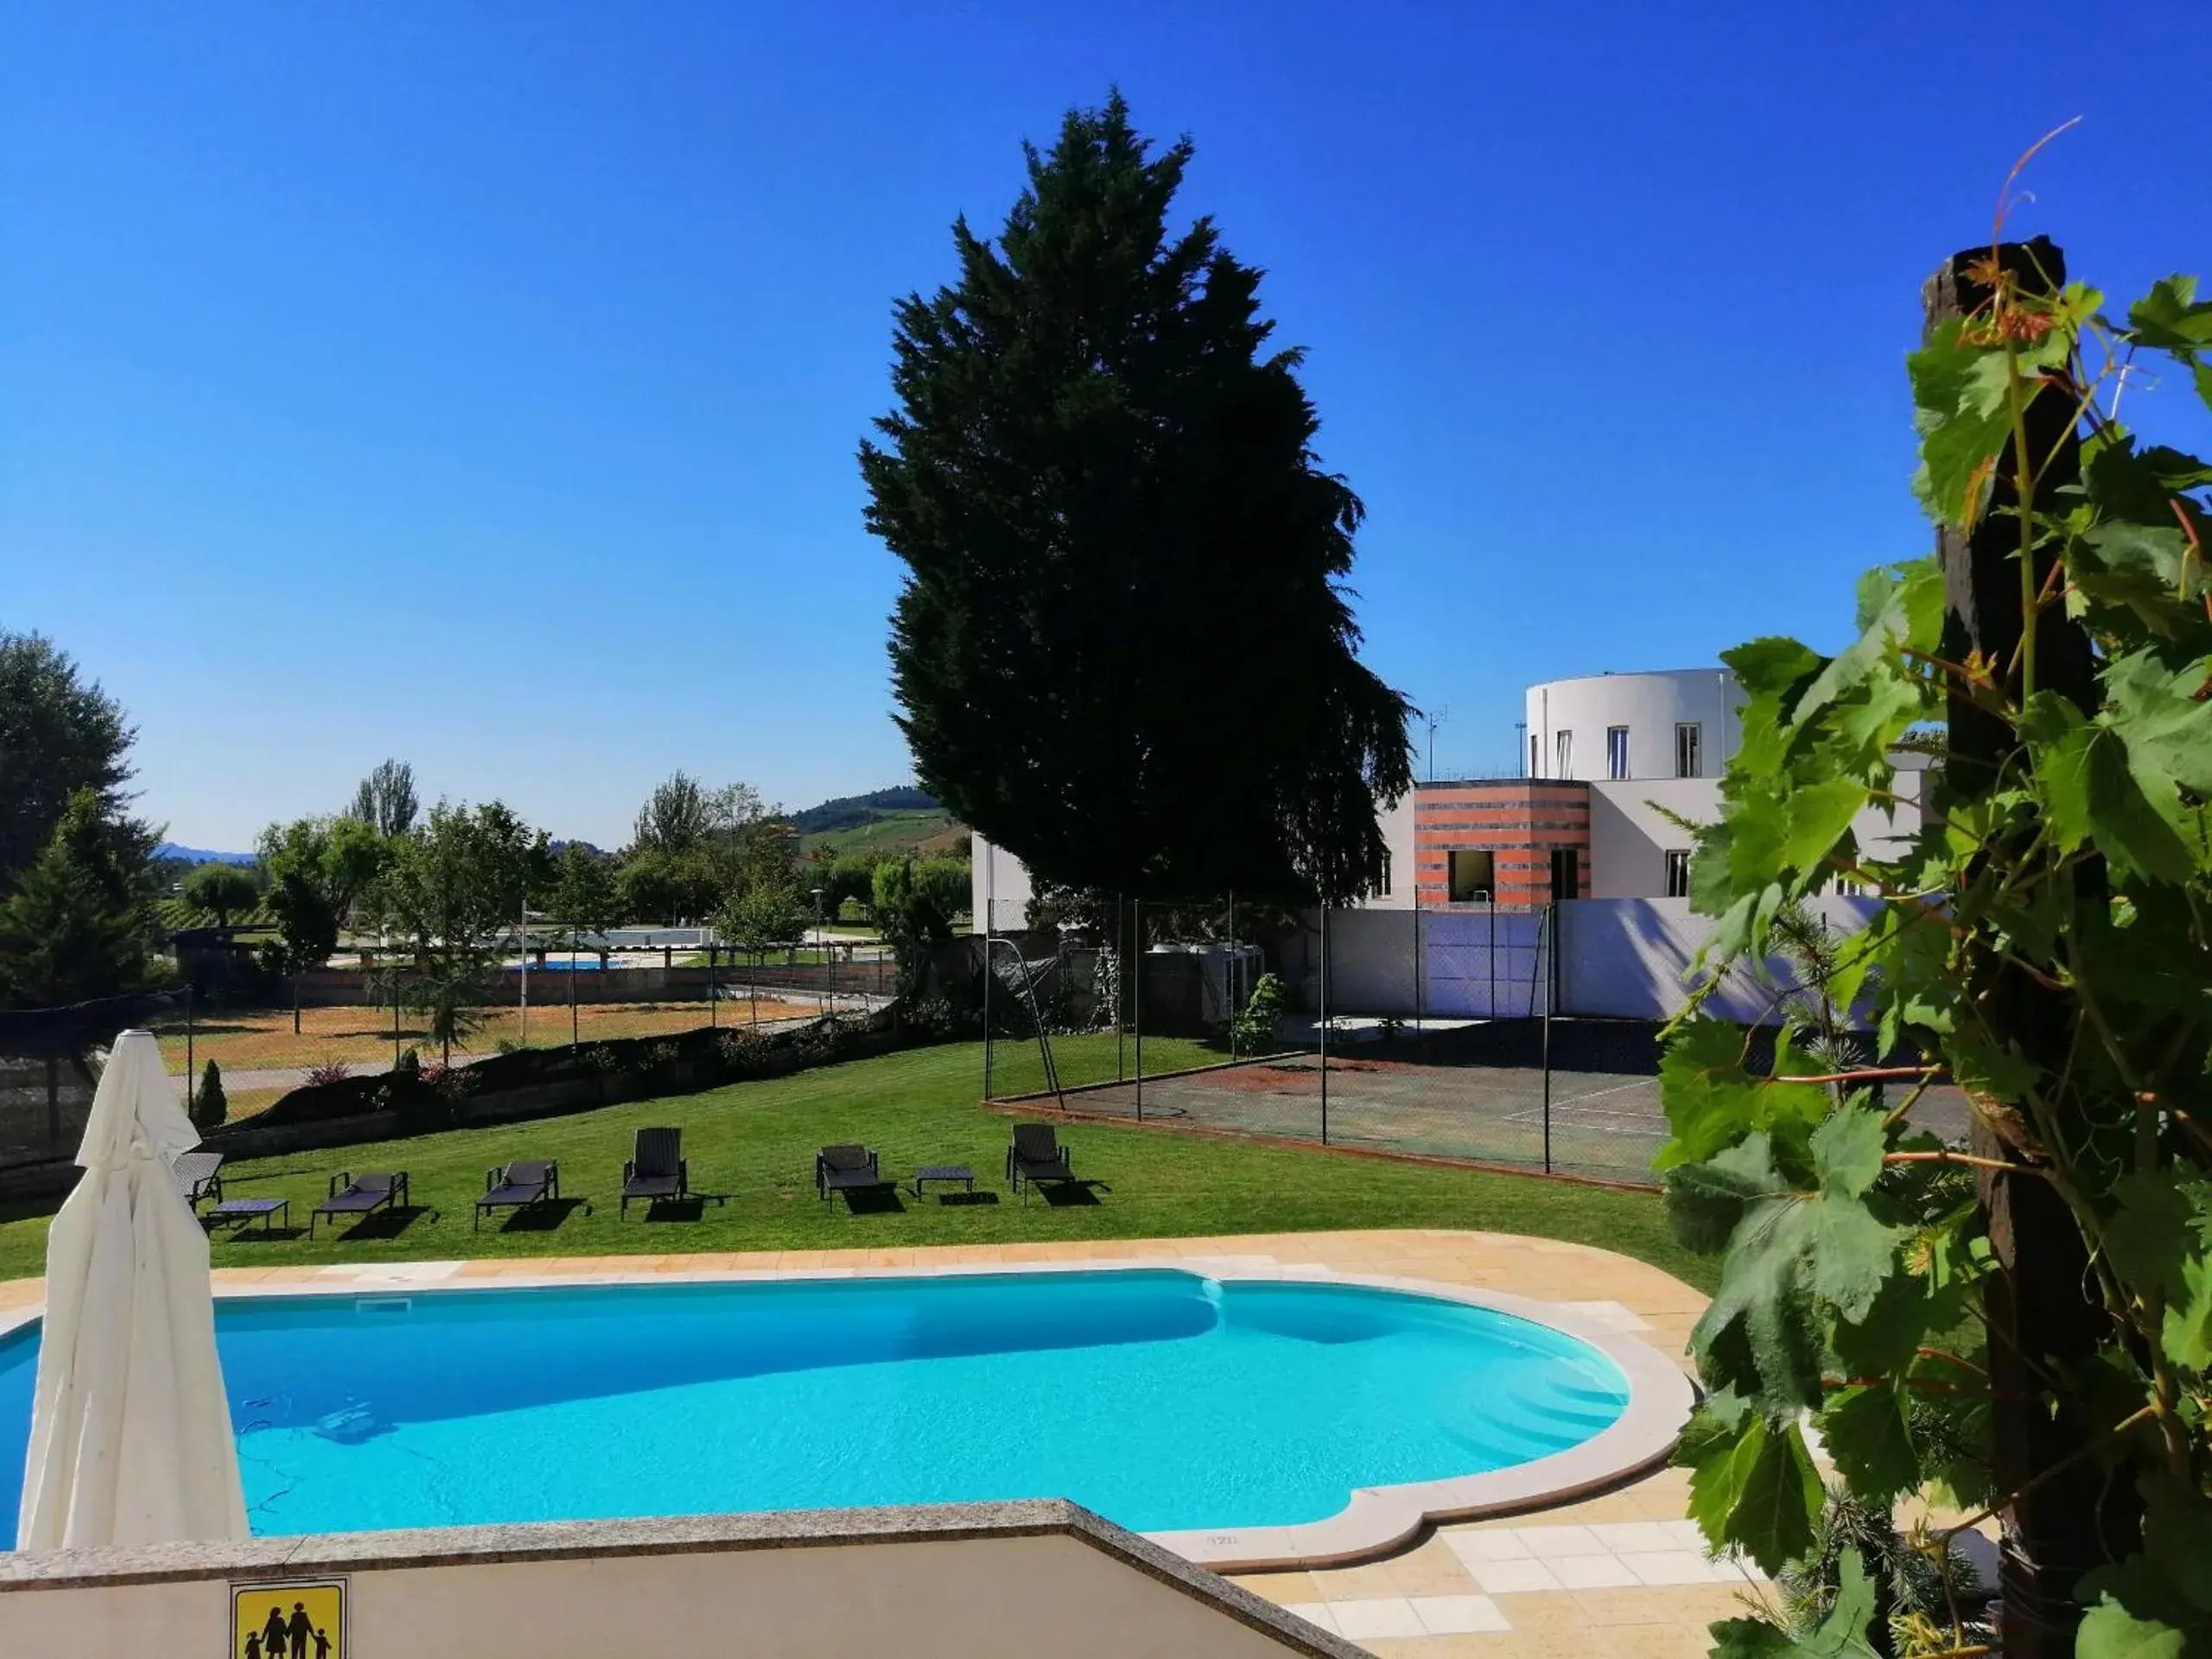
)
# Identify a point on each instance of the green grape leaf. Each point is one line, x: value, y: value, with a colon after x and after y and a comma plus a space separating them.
x: 1866, y: 1435
x: 1911, y: 613
x: 1788, y: 1251
x: 1962, y: 427
x: 1903, y: 1314
x: 1748, y: 1638
x: 1844, y: 1631
x: 2171, y: 318
x: 1780, y: 1500
x: 1712, y: 1102
x: 2159, y: 1237
x: 2064, y: 785
x: 1772, y: 666
x: 2110, y: 1631
x: 2090, y: 779
x: 1819, y: 817
x: 2167, y: 730
x: 1847, y: 1151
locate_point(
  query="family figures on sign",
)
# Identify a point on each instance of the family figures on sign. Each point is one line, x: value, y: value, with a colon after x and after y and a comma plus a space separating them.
x: 296, y: 1637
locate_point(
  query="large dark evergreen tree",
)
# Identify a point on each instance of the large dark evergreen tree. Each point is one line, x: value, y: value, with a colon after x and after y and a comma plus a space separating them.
x: 59, y: 733
x: 1123, y: 651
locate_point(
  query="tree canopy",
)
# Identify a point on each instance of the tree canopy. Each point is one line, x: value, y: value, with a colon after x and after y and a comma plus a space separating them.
x: 75, y: 927
x: 222, y: 891
x: 1124, y: 651
x: 58, y: 733
x: 386, y: 800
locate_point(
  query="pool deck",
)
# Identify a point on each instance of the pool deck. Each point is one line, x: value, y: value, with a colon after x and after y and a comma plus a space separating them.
x: 1620, y: 1572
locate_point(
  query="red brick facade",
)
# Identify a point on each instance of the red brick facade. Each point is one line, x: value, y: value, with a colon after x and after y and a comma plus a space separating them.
x: 1518, y: 821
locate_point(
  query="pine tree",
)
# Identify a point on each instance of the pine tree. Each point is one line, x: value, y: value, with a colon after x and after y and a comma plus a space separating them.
x: 75, y: 926
x: 1123, y: 650
x: 210, y: 1106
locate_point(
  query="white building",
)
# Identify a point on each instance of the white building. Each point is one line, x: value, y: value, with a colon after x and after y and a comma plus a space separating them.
x: 1616, y: 764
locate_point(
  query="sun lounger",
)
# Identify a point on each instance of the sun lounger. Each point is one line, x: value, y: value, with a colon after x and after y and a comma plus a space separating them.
x: 658, y: 1169
x: 1037, y: 1155
x: 848, y: 1170
x: 198, y: 1175
x: 519, y: 1186
x: 361, y: 1197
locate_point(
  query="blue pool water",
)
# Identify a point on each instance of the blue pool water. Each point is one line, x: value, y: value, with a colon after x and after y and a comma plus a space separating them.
x: 1161, y: 1399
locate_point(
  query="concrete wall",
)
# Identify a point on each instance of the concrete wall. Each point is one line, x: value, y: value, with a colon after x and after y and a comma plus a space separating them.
x: 1627, y: 958
x: 825, y: 1586
x: 1618, y: 958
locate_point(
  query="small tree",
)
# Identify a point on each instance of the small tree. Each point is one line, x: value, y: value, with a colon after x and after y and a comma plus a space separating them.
x: 451, y: 992
x: 585, y: 896
x: 221, y: 890
x: 911, y: 912
x: 210, y: 1107
x: 765, y: 916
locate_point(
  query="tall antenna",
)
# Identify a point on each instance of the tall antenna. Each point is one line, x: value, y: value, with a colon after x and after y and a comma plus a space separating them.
x: 1433, y: 718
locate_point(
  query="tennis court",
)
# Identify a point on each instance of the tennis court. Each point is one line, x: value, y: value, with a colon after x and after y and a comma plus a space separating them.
x: 1483, y: 1093
x: 1604, y: 1123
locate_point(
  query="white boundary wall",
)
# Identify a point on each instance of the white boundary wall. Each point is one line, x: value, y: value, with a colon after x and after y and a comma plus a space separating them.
x: 1618, y: 958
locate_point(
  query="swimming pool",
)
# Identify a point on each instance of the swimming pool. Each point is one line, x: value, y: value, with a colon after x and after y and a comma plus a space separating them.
x: 1164, y: 1399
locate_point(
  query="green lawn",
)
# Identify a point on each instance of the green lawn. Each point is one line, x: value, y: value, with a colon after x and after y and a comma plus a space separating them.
x: 755, y: 1142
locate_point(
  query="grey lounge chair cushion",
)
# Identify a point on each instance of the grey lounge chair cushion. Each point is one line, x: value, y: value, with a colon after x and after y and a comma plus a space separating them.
x: 659, y: 1154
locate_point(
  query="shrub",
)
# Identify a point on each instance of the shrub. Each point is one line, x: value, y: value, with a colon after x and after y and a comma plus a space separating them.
x: 209, y: 1106
x: 335, y: 1072
x: 1255, y: 1027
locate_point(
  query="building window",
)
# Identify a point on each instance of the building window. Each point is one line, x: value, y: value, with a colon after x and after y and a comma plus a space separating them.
x: 1689, y: 750
x: 1566, y: 873
x: 1616, y: 751
x: 1678, y: 874
x: 1474, y: 876
x: 1536, y: 754
x: 1382, y: 882
x: 1563, y: 748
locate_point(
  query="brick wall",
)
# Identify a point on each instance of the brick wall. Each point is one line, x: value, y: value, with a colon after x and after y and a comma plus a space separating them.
x: 1518, y: 821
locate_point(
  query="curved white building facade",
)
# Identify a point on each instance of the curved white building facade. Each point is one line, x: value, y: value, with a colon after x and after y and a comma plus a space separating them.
x: 1682, y: 722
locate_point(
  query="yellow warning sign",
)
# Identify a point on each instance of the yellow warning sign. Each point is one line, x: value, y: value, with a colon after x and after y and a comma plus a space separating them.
x: 295, y: 1618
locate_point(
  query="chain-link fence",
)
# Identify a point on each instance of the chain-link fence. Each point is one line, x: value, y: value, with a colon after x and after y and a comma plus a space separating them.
x: 358, y: 1016
x: 1448, y: 1032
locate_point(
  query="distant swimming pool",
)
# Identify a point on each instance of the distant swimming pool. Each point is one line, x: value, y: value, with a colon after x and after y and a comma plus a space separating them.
x: 1164, y: 1400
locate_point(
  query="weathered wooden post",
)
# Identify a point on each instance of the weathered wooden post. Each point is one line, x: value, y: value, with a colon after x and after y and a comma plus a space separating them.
x: 2043, y: 1316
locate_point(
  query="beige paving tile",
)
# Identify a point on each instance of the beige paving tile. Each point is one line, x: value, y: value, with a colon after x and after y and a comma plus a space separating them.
x: 1430, y: 1569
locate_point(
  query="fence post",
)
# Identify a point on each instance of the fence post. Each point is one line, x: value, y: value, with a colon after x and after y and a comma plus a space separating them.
x: 1120, y: 968
x: 191, y: 1082
x: 1136, y: 988
x: 1551, y: 930
x: 1420, y: 971
x: 1324, y: 1025
x: 990, y: 924
x: 713, y: 999
x: 575, y: 949
x: 1228, y: 974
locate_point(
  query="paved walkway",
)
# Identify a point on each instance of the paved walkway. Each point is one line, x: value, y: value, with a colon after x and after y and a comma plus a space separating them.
x: 1622, y: 1573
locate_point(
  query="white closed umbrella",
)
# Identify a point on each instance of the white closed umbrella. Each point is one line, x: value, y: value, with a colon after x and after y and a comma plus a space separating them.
x: 130, y: 1431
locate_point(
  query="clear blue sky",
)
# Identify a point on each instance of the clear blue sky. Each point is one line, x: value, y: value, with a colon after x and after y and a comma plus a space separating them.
x: 480, y: 383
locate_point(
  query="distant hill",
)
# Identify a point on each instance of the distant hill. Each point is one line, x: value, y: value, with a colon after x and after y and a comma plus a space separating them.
x: 200, y: 855
x: 850, y: 811
x: 882, y: 825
